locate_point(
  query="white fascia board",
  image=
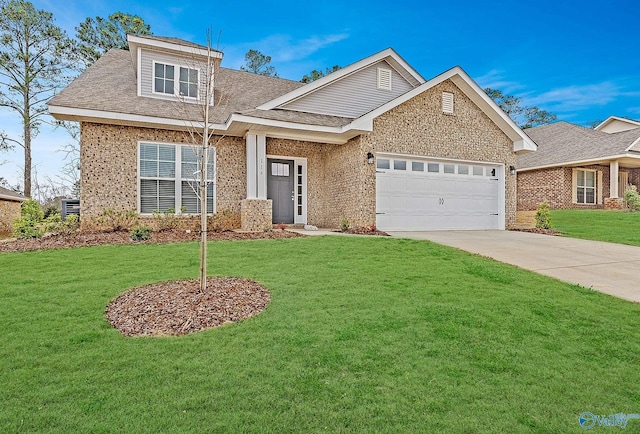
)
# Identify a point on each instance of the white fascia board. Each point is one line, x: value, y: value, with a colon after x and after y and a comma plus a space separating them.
x: 339, y: 74
x: 75, y: 114
x: 183, y: 49
x: 635, y: 142
x: 615, y: 118
x: 11, y: 198
x: 580, y: 162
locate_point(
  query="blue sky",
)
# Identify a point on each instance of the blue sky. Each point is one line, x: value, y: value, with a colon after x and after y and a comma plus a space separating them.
x: 579, y: 59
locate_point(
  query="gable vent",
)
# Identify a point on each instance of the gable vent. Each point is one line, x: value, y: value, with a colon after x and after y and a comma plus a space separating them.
x: 384, y: 79
x: 447, y: 102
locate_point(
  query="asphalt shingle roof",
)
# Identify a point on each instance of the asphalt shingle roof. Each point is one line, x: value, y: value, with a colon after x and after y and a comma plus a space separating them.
x: 562, y: 142
x: 110, y: 85
x: 10, y: 195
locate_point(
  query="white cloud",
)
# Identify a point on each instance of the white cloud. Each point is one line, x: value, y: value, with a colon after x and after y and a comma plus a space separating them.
x: 571, y: 98
x: 495, y: 79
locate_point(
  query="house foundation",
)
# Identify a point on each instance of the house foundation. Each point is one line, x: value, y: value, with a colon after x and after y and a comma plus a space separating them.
x: 255, y: 214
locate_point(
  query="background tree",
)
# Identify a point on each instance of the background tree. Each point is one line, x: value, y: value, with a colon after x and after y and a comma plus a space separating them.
x: 96, y: 35
x: 258, y: 63
x: 34, y: 62
x: 524, y: 116
x: 594, y: 123
x: 315, y: 74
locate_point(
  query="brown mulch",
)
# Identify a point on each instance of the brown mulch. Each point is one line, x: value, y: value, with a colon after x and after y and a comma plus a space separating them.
x: 180, y: 308
x: 538, y: 231
x: 82, y: 239
x: 366, y: 231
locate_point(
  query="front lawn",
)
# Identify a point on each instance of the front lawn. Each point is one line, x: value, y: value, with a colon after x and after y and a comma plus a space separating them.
x: 612, y: 226
x: 362, y: 335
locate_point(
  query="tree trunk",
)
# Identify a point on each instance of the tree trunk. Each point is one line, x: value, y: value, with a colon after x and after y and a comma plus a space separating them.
x: 27, y: 155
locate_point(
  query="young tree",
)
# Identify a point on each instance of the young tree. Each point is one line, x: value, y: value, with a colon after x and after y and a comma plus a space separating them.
x: 258, y: 63
x: 524, y: 116
x: 96, y: 35
x: 34, y: 60
x: 315, y: 74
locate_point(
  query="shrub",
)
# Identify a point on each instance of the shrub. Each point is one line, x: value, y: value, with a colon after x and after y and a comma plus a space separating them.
x: 632, y: 199
x: 344, y: 224
x: 54, y: 224
x: 141, y: 233
x: 281, y: 226
x: 30, y: 221
x: 543, y: 216
x: 112, y: 220
x: 167, y: 220
x: 50, y: 210
x: 223, y: 221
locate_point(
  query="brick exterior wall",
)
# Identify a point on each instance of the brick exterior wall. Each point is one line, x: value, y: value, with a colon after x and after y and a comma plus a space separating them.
x: 340, y: 180
x: 9, y: 211
x: 554, y: 186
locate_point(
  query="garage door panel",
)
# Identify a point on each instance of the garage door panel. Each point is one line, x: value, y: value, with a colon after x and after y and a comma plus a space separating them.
x: 436, y: 201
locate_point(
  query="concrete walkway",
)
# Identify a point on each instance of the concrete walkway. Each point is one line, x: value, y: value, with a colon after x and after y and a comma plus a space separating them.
x: 610, y: 268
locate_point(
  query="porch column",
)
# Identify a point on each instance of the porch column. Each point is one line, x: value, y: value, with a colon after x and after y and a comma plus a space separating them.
x: 613, y: 179
x: 256, y: 166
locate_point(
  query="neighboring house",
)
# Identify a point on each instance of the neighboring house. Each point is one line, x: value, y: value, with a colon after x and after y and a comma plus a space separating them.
x: 577, y: 167
x: 10, y: 203
x: 374, y: 142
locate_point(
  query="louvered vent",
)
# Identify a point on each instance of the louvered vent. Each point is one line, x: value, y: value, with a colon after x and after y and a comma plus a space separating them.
x: 447, y: 102
x: 384, y: 79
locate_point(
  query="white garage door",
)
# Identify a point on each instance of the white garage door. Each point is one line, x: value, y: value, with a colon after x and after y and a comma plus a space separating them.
x: 423, y: 195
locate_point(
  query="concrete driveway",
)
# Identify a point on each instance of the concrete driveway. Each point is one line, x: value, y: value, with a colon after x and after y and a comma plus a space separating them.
x: 610, y: 268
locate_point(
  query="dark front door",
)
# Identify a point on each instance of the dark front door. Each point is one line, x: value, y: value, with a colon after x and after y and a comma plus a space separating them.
x: 280, y: 189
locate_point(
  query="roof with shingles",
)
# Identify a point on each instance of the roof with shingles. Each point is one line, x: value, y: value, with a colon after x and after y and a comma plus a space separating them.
x: 562, y: 142
x: 110, y: 85
x: 7, y: 194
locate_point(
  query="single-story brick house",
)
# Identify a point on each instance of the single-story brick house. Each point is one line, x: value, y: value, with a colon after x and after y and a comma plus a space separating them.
x: 374, y: 142
x: 10, y: 203
x: 578, y: 167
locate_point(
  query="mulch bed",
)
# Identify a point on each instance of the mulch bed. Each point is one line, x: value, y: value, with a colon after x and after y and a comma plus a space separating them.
x: 539, y: 231
x: 366, y: 231
x: 82, y: 239
x: 179, y: 307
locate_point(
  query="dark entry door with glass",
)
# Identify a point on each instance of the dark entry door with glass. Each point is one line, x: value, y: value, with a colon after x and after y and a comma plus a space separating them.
x: 280, y: 189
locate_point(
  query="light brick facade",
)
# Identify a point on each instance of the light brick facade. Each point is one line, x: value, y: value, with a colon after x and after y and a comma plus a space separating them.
x: 555, y: 187
x: 340, y: 181
x: 9, y: 211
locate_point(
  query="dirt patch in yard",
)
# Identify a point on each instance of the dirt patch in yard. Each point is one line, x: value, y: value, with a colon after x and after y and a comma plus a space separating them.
x: 179, y: 307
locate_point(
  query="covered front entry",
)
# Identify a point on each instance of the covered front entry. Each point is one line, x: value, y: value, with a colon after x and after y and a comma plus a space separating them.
x: 421, y: 194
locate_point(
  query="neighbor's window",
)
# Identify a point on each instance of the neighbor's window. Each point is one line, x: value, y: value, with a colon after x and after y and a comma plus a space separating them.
x: 162, y: 168
x: 164, y: 78
x: 586, y: 186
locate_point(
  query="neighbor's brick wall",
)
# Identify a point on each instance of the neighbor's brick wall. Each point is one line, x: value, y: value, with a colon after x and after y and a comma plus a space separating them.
x: 419, y: 127
x: 108, y: 155
x: 9, y: 211
x: 554, y: 186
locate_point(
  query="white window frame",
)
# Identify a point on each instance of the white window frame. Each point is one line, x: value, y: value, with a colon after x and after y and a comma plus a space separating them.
x: 177, y: 178
x: 176, y: 81
x: 585, y: 187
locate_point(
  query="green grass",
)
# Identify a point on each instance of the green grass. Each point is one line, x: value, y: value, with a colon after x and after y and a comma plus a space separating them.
x: 612, y: 226
x: 362, y: 335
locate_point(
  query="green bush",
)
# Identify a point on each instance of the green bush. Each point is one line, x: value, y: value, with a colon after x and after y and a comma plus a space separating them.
x: 54, y: 224
x: 543, y: 216
x: 344, y: 224
x: 30, y: 221
x: 141, y: 233
x: 167, y: 220
x: 632, y: 199
x: 112, y: 220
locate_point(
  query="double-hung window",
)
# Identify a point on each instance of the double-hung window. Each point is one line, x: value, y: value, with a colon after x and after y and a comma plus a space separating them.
x: 169, y: 178
x: 586, y: 186
x: 166, y: 82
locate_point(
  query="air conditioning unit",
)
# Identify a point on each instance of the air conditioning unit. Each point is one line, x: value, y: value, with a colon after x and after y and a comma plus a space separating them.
x: 70, y: 206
